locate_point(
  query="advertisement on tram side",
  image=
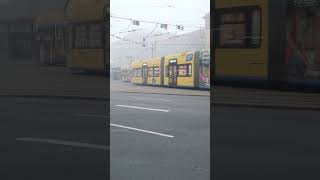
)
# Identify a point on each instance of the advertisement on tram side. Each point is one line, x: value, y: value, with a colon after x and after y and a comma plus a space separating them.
x: 303, y: 43
x: 204, y: 69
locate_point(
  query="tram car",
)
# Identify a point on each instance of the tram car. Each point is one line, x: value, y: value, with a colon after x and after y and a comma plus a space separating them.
x: 86, y: 31
x: 184, y: 70
x: 273, y: 42
x: 51, y: 38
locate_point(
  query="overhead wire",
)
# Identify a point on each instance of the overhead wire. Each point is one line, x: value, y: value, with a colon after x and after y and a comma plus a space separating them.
x: 148, y: 35
x: 152, y: 22
x: 152, y: 30
x: 135, y: 42
x: 123, y: 32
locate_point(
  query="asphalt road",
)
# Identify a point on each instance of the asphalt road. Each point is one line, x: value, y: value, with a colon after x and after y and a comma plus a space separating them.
x: 31, y: 78
x: 252, y: 143
x: 159, y: 137
x: 50, y: 139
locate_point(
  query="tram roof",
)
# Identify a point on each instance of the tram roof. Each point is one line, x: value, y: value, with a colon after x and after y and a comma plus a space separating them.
x: 78, y: 11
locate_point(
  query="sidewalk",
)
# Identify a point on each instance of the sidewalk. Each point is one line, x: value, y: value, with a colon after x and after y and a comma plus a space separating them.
x: 120, y: 87
x: 229, y: 96
x: 265, y: 98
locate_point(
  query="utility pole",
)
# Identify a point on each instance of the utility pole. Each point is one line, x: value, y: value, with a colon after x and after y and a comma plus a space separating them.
x: 153, y: 48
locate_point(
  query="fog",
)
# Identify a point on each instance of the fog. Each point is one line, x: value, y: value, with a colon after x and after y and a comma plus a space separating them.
x: 130, y: 42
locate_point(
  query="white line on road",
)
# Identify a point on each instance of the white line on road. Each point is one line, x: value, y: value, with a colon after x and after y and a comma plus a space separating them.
x: 153, y: 99
x: 141, y: 130
x: 66, y: 143
x: 91, y: 115
x: 144, y: 108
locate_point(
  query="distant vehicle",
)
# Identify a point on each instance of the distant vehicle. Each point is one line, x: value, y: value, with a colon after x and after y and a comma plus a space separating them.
x: 186, y: 70
x: 267, y: 42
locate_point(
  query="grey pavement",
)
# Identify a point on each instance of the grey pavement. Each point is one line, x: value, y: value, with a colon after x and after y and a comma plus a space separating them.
x: 265, y: 97
x: 145, y: 156
x: 52, y: 139
x: 118, y: 86
x: 255, y: 143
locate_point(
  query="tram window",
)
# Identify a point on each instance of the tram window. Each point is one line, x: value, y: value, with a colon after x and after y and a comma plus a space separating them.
x: 185, y: 70
x: 139, y: 72
x: 156, y: 72
x: 153, y: 72
x: 189, y: 57
x: 82, y: 39
x: 95, y: 36
x: 232, y: 29
x: 150, y: 72
x: 135, y: 72
x: 239, y: 28
x: 89, y: 36
x: 190, y: 70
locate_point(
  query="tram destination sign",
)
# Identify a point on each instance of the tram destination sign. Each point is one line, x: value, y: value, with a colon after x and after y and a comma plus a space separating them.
x: 305, y: 3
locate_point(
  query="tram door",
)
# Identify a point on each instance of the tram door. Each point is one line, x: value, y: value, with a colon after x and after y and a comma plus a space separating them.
x: 173, y: 73
x: 144, y: 74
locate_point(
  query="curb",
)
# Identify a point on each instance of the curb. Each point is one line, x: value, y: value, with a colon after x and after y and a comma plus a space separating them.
x: 266, y: 106
x: 160, y: 93
x: 217, y: 103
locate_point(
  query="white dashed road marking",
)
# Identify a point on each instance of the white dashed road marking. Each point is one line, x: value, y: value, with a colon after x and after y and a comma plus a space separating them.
x: 141, y: 130
x: 143, y: 108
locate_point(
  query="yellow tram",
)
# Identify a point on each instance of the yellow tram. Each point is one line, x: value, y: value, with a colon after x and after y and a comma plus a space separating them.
x: 146, y: 72
x: 187, y: 70
x: 51, y: 39
x: 86, y: 35
x: 267, y: 41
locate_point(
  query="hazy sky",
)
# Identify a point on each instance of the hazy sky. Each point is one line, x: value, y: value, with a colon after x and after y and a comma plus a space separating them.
x: 182, y: 12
